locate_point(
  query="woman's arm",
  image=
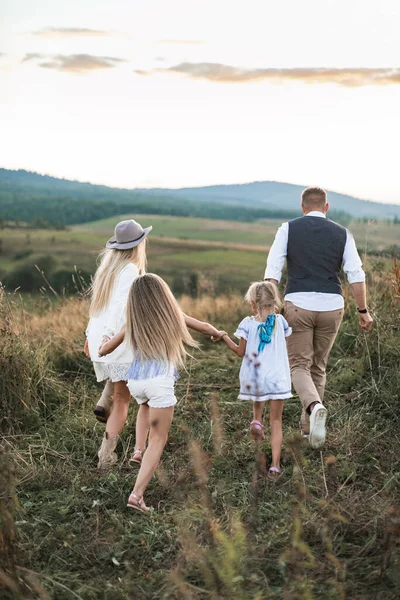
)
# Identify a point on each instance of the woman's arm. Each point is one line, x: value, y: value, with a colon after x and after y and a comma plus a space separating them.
x: 112, y: 344
x: 240, y: 349
x: 203, y: 327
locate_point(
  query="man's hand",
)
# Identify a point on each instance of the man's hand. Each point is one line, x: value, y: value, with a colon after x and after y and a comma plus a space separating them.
x: 366, y: 320
x: 86, y: 348
x: 218, y: 338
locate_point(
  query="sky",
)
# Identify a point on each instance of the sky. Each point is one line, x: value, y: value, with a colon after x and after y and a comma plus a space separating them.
x: 157, y: 93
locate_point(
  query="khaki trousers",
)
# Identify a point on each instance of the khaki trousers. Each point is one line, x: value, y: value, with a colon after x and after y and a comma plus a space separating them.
x: 309, y: 346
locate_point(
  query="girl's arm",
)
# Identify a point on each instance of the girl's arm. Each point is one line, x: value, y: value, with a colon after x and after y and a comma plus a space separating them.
x: 112, y: 344
x: 202, y: 327
x: 240, y: 349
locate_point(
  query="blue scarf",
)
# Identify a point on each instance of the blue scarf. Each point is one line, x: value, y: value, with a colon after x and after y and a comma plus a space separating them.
x: 265, y: 332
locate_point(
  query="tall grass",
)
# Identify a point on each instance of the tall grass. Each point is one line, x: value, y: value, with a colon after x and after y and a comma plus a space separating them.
x: 329, y: 529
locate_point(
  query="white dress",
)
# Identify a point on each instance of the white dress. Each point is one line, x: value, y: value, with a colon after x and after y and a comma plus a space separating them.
x: 265, y: 375
x: 109, y: 321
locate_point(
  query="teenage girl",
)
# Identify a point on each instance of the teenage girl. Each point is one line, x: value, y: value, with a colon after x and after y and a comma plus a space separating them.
x: 264, y: 374
x: 156, y: 331
x: 123, y: 259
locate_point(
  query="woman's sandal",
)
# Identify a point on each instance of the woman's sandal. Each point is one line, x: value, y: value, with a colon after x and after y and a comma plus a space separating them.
x: 257, y: 431
x: 136, y: 457
x: 274, y: 473
x: 137, y: 503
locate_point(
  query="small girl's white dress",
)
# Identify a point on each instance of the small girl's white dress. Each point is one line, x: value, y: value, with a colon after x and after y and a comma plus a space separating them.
x: 109, y: 321
x: 264, y: 375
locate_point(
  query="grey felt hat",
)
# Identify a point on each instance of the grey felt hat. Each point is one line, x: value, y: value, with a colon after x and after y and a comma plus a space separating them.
x: 128, y: 234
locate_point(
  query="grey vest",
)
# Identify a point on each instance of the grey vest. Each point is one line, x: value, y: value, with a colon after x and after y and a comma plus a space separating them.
x: 315, y: 255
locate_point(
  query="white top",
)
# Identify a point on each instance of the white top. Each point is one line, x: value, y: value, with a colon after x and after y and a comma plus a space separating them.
x: 318, y: 301
x: 264, y: 375
x: 111, y: 320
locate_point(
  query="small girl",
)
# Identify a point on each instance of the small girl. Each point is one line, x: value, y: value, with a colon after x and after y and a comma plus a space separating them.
x: 264, y: 374
x: 156, y: 330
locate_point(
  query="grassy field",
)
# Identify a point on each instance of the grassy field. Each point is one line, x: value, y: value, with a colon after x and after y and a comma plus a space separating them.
x: 329, y: 530
x: 193, y: 255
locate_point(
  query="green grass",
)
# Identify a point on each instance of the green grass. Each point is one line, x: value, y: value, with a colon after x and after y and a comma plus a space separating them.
x: 226, y: 254
x: 187, y: 228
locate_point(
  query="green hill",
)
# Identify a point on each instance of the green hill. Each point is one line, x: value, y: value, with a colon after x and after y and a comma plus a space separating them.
x: 30, y: 197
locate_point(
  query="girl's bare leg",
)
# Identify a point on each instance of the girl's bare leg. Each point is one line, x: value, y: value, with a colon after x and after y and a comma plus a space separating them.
x: 142, y: 427
x: 276, y: 409
x: 116, y: 420
x: 258, y: 411
x: 160, y: 423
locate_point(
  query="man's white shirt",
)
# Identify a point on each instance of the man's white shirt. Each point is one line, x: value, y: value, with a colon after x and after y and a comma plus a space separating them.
x: 317, y: 301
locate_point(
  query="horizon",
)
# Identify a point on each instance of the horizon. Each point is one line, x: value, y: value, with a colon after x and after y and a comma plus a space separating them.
x: 156, y: 96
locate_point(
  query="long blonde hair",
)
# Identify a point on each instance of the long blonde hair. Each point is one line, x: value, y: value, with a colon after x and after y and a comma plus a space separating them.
x: 156, y: 327
x: 111, y: 263
x: 265, y: 295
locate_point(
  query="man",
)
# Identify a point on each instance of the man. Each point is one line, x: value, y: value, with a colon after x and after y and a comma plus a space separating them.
x: 315, y: 248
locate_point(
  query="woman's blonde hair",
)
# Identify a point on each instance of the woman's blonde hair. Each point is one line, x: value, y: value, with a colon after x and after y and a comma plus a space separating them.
x: 156, y: 327
x: 111, y: 263
x: 264, y: 294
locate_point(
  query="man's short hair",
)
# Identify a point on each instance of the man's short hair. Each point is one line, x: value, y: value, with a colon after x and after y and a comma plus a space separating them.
x: 314, y: 197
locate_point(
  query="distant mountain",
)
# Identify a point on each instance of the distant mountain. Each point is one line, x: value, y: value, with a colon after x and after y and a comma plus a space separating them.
x: 285, y: 196
x: 27, y: 196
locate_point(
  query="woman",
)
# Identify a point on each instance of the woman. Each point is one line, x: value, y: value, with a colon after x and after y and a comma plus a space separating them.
x: 120, y: 263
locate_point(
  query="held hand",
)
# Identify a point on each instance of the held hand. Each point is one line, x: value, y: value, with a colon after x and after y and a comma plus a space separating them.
x: 366, y: 321
x: 218, y: 338
x: 103, y: 346
x: 86, y: 348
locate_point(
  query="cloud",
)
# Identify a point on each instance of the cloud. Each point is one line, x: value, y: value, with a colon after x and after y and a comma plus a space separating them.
x: 347, y: 77
x: 80, y: 63
x: 179, y: 42
x: 51, y: 32
x: 31, y: 56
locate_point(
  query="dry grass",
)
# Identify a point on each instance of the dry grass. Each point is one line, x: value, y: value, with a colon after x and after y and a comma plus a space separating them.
x: 329, y: 530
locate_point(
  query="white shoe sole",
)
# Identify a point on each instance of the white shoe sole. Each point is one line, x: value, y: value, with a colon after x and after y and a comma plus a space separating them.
x: 317, y: 427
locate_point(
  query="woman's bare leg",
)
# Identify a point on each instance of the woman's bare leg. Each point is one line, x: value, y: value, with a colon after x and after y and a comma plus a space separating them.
x: 160, y: 423
x: 276, y: 409
x: 117, y: 419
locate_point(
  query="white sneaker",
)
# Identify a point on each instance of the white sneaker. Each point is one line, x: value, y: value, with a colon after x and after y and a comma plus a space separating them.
x: 317, y: 426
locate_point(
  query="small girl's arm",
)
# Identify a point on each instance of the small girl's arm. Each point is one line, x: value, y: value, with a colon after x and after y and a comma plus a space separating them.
x: 239, y: 349
x: 112, y: 344
x: 204, y: 328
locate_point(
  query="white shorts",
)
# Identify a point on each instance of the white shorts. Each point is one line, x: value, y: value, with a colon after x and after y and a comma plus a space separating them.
x: 158, y: 392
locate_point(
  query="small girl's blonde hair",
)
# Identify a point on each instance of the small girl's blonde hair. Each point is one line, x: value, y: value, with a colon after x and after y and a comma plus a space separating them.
x: 264, y: 294
x: 156, y: 327
x: 111, y: 263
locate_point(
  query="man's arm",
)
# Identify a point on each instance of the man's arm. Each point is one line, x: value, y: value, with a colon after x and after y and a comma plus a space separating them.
x: 352, y: 266
x: 277, y: 255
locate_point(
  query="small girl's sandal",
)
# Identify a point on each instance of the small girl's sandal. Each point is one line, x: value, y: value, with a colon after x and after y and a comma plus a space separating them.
x: 274, y: 473
x: 137, y: 503
x: 136, y: 457
x: 257, y: 430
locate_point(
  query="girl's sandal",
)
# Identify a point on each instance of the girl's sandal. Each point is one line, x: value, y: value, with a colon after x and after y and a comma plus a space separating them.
x: 136, y: 457
x: 137, y: 503
x: 257, y: 431
x: 274, y: 473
